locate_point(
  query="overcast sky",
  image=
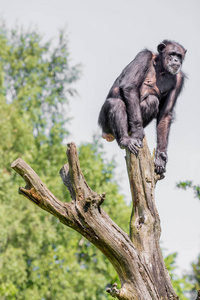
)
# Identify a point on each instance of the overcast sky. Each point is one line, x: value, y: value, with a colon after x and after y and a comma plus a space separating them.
x: 105, y: 36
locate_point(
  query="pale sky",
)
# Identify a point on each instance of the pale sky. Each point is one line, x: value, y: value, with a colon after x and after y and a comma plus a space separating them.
x: 105, y: 36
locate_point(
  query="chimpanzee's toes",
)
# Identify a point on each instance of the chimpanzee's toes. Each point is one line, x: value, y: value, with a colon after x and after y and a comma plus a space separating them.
x: 141, y: 144
x: 133, y: 149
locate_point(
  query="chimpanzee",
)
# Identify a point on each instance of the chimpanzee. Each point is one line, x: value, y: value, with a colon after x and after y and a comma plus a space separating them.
x: 146, y: 89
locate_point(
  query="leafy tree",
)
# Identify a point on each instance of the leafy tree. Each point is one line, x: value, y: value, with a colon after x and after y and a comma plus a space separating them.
x: 194, y: 277
x: 181, y: 285
x: 188, y: 184
x: 36, y: 85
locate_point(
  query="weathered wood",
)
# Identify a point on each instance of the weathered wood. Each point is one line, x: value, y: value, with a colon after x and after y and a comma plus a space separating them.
x: 145, y: 227
x: 137, y: 260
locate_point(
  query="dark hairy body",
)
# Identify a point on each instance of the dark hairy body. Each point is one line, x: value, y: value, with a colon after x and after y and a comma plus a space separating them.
x: 146, y: 89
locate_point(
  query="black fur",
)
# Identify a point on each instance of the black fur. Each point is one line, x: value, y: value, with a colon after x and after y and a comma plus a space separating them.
x: 146, y: 89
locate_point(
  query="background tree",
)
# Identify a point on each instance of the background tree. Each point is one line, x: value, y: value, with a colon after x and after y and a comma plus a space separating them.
x: 36, y: 85
x: 183, y: 285
x: 194, y: 277
x: 189, y: 185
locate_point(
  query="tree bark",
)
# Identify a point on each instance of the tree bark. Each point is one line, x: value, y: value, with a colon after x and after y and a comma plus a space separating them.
x: 137, y: 259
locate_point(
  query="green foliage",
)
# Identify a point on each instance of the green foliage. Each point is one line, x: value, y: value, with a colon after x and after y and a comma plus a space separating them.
x: 37, y: 78
x: 195, y: 277
x: 180, y: 285
x: 188, y: 184
x: 39, y: 257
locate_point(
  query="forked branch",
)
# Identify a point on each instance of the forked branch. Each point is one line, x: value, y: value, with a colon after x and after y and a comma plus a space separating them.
x: 137, y: 260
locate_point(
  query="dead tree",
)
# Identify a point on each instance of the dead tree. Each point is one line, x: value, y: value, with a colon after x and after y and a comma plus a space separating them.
x: 136, y: 258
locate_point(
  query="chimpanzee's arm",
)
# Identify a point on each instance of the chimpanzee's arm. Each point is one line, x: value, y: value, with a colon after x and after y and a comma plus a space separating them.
x: 164, y: 120
x: 130, y: 81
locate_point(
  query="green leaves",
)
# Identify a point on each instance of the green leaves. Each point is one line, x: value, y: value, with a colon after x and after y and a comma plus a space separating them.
x: 39, y: 257
x: 188, y: 184
x: 194, y: 277
x: 37, y: 76
x: 181, y: 285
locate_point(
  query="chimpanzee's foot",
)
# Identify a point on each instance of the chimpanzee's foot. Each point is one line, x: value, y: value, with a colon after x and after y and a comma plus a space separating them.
x: 131, y: 144
x: 108, y: 137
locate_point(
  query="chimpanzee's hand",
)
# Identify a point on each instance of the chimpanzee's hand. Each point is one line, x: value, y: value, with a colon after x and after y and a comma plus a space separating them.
x: 160, y: 162
x: 131, y: 144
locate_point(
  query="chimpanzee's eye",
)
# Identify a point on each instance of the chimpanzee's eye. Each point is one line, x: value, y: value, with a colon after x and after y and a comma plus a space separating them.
x: 176, y: 55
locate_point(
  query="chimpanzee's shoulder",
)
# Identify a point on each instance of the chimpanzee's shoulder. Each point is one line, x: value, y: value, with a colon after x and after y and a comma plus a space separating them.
x: 145, y: 54
x: 143, y: 58
x: 135, y: 71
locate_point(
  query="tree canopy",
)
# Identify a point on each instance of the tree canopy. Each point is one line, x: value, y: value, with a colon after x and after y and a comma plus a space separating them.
x: 36, y: 85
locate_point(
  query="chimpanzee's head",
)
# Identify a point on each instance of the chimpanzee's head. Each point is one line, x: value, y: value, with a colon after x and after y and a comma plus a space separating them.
x: 172, y: 55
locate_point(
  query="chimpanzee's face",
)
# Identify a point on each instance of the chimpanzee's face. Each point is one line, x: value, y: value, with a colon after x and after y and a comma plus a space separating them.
x: 172, y: 57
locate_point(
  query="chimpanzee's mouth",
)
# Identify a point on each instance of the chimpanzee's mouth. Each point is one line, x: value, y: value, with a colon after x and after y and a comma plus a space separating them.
x: 174, y: 69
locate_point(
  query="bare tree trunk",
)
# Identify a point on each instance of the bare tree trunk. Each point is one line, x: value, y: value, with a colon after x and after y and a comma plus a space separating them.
x: 137, y: 259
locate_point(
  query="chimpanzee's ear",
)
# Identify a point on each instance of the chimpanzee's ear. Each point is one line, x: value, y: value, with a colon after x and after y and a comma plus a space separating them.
x: 161, y: 47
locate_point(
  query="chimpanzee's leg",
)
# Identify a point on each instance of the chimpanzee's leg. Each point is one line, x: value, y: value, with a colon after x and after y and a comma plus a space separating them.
x: 117, y: 118
x: 113, y: 120
x: 149, y: 109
